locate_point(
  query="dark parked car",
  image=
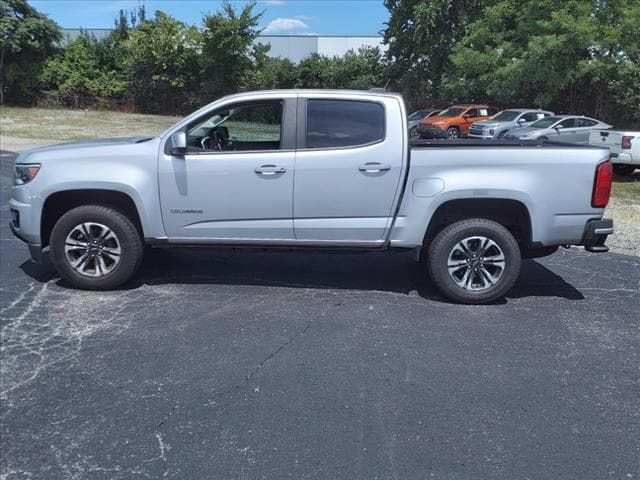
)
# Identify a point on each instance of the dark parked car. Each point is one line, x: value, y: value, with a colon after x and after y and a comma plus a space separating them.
x: 417, y: 117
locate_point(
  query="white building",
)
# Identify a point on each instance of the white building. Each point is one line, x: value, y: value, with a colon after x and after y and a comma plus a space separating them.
x: 293, y: 47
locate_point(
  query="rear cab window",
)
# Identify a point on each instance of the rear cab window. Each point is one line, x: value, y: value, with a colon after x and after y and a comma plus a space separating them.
x: 343, y: 123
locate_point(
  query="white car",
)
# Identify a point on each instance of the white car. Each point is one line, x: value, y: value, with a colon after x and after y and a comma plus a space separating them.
x: 624, y: 147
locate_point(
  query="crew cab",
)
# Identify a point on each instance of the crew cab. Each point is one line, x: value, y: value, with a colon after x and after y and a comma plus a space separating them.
x: 315, y: 169
x: 624, y: 146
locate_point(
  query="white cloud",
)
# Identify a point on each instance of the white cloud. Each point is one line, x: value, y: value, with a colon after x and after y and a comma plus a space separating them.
x: 285, y: 25
x: 273, y: 2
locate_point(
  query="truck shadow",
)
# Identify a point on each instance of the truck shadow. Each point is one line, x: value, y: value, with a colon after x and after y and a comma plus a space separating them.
x: 386, y: 272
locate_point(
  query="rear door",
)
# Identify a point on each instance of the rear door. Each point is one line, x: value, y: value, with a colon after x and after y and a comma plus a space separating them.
x: 349, y: 162
x: 583, y: 129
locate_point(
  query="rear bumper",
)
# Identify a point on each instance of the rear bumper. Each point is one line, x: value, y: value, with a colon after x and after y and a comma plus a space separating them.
x: 624, y: 158
x: 595, y: 234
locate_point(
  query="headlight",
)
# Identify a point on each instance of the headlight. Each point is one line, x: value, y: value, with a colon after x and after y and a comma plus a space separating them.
x: 25, y: 173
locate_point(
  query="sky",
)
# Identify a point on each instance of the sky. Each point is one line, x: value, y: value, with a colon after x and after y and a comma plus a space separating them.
x: 281, y: 17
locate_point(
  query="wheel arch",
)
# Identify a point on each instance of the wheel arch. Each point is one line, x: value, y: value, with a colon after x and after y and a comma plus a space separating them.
x: 511, y: 214
x: 58, y: 203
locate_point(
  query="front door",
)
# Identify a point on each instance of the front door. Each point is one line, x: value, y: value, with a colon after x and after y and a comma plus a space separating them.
x: 568, y: 132
x: 348, y: 169
x: 235, y: 182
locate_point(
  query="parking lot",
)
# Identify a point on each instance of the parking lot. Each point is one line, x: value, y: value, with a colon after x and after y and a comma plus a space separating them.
x: 225, y: 365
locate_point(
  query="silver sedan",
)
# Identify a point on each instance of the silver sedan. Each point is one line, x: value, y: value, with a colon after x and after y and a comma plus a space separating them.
x: 563, y: 128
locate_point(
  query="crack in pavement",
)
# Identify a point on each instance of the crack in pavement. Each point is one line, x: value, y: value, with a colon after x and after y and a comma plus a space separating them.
x: 164, y: 446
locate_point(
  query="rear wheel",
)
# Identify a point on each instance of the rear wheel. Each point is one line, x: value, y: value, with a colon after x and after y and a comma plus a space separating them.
x: 474, y: 261
x: 95, y: 247
x: 622, y: 169
x: 453, y: 133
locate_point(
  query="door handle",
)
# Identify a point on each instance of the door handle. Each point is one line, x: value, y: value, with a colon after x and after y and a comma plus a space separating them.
x: 373, y: 167
x: 270, y: 169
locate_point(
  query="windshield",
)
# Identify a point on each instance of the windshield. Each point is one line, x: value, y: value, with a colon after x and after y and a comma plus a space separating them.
x: 506, y: 116
x: 418, y: 115
x: 545, y: 122
x: 452, y: 112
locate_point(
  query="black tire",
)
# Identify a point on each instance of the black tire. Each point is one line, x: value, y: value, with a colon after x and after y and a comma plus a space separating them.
x: 622, y: 169
x: 502, y: 134
x: 414, y: 133
x: 128, y: 240
x: 443, y: 246
x: 453, y: 133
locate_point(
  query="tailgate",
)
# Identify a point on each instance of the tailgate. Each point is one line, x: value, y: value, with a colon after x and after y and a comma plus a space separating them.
x: 606, y: 138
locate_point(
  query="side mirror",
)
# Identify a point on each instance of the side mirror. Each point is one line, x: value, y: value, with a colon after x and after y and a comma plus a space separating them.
x: 521, y: 121
x: 178, y: 144
x: 468, y: 115
x: 558, y: 127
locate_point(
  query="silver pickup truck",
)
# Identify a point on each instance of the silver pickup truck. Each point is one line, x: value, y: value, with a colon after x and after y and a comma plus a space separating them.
x: 311, y: 168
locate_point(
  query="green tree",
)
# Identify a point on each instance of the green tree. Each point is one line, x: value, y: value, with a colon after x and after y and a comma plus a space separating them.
x: 573, y: 56
x: 87, y: 69
x: 27, y: 38
x: 420, y: 35
x: 161, y: 65
x: 229, y: 55
x: 362, y: 69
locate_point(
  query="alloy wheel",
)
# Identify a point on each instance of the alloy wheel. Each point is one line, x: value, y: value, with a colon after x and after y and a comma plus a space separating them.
x: 476, y: 263
x: 92, y: 249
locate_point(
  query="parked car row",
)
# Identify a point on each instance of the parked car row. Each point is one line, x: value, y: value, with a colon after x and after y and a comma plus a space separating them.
x: 484, y: 122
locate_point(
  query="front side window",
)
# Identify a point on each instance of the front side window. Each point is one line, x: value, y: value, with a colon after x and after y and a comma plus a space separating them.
x: 568, y: 123
x: 343, y: 123
x: 243, y: 127
x: 532, y: 116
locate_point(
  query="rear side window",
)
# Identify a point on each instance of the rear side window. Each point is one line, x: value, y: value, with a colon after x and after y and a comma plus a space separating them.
x: 586, y: 122
x: 343, y: 123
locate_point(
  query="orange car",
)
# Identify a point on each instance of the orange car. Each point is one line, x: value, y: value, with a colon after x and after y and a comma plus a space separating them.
x: 454, y: 122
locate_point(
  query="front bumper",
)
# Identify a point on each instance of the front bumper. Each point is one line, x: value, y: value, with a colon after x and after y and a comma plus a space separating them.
x: 595, y: 234
x: 483, y: 136
x: 35, y: 249
x: 430, y: 132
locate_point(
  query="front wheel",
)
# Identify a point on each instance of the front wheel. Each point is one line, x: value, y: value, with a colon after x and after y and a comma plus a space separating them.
x: 95, y: 247
x: 474, y: 261
x: 453, y: 133
x: 414, y: 134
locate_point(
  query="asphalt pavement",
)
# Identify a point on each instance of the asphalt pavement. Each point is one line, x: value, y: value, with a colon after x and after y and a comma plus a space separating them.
x: 263, y: 365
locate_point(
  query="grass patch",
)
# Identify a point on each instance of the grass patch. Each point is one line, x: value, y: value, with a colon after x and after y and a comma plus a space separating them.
x: 627, y: 188
x: 67, y: 125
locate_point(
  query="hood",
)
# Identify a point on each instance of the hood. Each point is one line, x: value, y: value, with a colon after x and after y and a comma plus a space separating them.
x: 438, y: 120
x: 80, y: 148
x: 524, y: 131
x: 487, y: 123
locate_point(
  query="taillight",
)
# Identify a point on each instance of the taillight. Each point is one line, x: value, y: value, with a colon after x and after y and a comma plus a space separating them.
x: 626, y: 142
x: 602, y: 185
